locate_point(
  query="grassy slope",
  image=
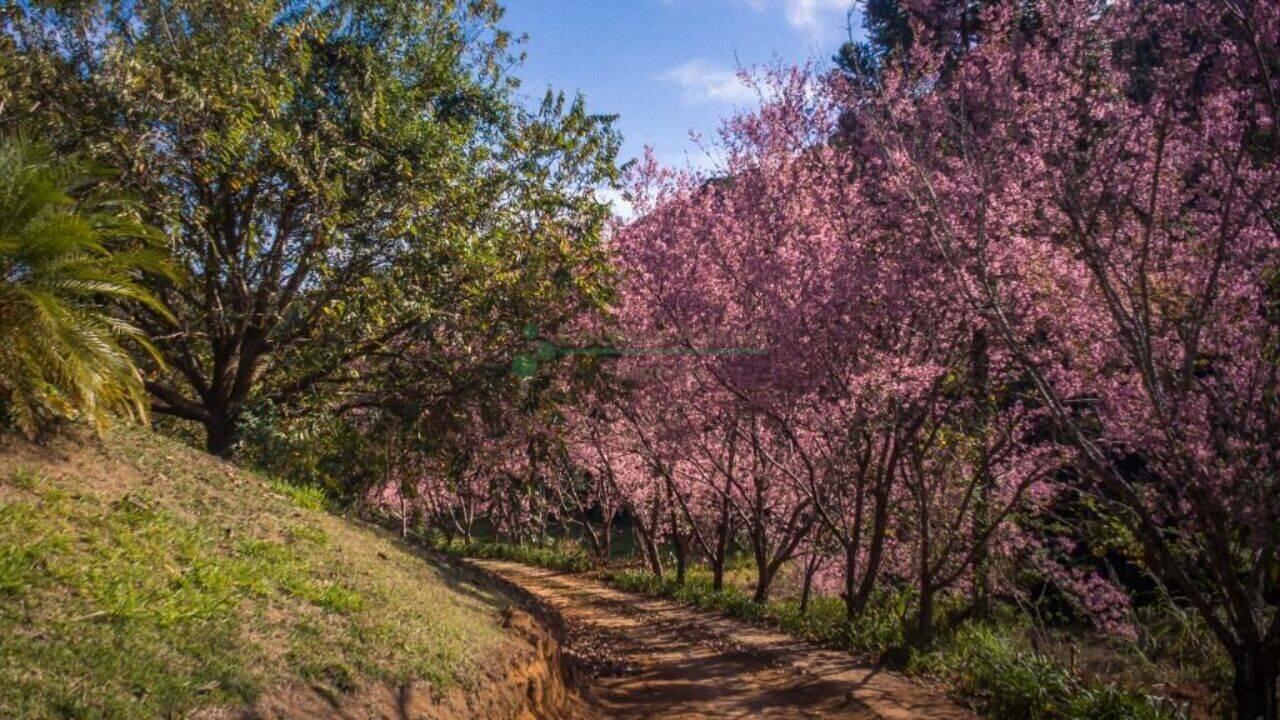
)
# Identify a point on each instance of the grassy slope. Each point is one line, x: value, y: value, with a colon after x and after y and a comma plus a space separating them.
x: 140, y: 578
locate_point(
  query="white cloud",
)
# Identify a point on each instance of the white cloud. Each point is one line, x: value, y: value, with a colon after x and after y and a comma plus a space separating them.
x: 818, y: 18
x: 702, y: 81
x: 617, y: 201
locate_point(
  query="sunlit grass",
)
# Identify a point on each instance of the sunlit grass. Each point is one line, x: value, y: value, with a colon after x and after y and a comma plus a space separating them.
x: 164, y: 581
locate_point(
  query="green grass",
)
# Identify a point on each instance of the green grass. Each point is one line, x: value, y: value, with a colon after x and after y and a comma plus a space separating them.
x: 559, y: 555
x: 141, y: 579
x: 1006, y: 679
x: 309, y: 497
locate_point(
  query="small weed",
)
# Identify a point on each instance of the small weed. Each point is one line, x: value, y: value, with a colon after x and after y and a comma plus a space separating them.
x: 307, y: 497
x: 326, y: 595
x: 310, y: 534
x: 25, y: 478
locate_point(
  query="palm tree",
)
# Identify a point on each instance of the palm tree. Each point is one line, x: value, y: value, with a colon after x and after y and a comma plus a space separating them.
x: 68, y: 256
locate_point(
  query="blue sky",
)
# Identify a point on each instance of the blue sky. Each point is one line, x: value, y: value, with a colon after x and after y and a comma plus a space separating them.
x: 667, y: 66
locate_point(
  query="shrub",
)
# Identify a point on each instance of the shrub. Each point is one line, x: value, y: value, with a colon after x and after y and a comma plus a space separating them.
x: 1007, y: 680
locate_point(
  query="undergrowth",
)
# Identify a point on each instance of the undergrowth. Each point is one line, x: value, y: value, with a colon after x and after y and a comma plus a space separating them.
x: 557, y: 555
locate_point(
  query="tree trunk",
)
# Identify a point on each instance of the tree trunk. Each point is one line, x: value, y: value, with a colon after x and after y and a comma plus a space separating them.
x: 924, y: 619
x: 1254, y: 685
x: 404, y: 515
x: 682, y: 559
x: 879, y: 532
x: 979, y: 372
x: 762, y: 574
x: 608, y: 539
x: 722, y: 550
x: 680, y: 542
x: 764, y: 582
x: 219, y: 434
x: 648, y: 548
x: 655, y: 557
x: 761, y: 595
x: 806, y: 591
x: 852, y: 605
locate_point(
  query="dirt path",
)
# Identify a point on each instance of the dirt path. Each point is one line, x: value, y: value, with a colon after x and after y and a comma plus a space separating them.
x: 669, y: 661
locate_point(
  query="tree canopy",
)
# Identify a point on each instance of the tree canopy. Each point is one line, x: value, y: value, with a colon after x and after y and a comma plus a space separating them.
x: 333, y: 178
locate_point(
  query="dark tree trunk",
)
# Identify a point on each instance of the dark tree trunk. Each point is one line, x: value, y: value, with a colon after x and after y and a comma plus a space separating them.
x: 761, y: 595
x: 924, y: 618
x: 220, y: 433
x: 852, y: 605
x: 721, y: 554
x: 764, y: 583
x: 682, y: 558
x: 608, y: 540
x: 1254, y: 685
x: 648, y: 548
x: 879, y: 532
x: 764, y: 578
x: 980, y: 387
x: 923, y: 634
x: 812, y: 563
x: 655, y: 557
x: 680, y: 542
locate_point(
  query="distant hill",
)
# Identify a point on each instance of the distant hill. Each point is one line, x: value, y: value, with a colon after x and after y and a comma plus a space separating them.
x: 140, y: 578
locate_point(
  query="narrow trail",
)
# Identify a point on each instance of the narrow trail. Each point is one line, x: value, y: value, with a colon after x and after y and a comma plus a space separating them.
x: 670, y: 661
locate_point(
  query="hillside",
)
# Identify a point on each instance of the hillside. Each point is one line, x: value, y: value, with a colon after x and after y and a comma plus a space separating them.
x: 140, y: 578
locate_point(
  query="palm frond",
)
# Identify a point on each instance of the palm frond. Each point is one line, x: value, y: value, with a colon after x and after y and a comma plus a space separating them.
x: 65, y: 266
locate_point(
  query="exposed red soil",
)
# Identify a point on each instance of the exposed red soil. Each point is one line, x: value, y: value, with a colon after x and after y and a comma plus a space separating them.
x: 664, y: 660
x: 529, y: 684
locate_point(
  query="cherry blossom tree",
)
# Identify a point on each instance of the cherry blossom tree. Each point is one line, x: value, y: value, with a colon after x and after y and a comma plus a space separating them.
x: 1103, y: 187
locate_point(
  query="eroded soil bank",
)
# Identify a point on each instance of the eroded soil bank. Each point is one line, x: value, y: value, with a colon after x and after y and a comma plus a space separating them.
x: 529, y: 683
x: 656, y: 659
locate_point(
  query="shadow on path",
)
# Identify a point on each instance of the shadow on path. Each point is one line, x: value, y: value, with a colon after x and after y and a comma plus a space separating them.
x: 651, y: 658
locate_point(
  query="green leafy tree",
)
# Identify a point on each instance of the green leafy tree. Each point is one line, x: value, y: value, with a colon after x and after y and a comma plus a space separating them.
x: 339, y: 179
x: 891, y: 26
x: 67, y: 258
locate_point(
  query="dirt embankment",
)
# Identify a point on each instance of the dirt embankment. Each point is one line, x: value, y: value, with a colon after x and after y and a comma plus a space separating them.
x: 530, y: 683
